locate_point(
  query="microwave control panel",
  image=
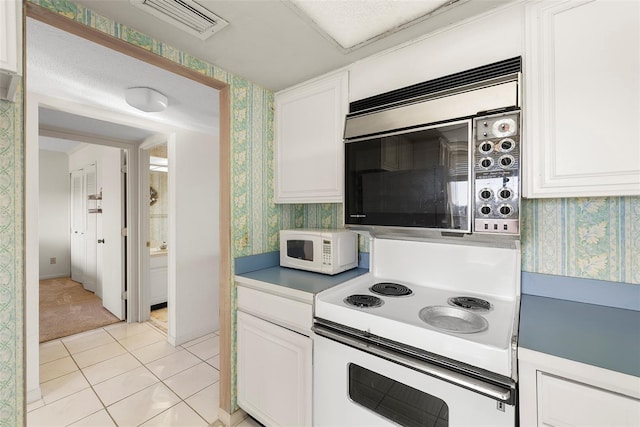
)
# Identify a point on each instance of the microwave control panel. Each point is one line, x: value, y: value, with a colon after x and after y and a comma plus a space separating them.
x: 497, y: 173
x: 326, y: 252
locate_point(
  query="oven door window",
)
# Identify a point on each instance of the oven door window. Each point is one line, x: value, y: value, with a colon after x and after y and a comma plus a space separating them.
x: 396, y: 401
x: 419, y: 178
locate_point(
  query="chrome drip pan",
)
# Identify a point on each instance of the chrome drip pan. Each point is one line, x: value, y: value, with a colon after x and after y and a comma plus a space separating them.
x: 453, y: 319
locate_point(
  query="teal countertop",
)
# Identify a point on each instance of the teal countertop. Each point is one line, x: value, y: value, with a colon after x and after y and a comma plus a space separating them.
x: 298, y: 280
x: 607, y: 337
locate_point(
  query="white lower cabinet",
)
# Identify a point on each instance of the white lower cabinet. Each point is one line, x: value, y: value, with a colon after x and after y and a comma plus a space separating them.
x: 560, y: 392
x: 274, y: 366
x: 158, y: 279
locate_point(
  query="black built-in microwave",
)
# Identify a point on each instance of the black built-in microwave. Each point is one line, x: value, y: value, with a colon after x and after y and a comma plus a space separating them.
x: 445, y: 161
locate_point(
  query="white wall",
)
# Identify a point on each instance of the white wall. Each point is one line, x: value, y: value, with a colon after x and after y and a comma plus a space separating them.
x: 479, y: 41
x: 53, y: 218
x: 194, y: 247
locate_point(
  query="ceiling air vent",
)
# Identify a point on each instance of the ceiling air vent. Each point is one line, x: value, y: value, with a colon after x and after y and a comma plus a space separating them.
x: 187, y: 15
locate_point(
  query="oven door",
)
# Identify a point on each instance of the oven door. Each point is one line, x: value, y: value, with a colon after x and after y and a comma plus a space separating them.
x: 355, y: 388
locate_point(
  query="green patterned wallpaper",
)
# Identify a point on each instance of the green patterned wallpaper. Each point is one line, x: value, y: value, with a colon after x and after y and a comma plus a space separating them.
x: 11, y: 264
x: 593, y: 238
x: 590, y: 238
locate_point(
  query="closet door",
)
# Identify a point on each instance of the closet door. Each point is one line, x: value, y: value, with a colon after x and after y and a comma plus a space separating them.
x: 90, y: 235
x: 84, y: 263
x: 77, y: 221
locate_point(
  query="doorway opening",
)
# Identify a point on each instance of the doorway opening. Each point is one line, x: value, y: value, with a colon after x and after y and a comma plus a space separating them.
x: 220, y: 183
x: 83, y: 220
x: 81, y: 199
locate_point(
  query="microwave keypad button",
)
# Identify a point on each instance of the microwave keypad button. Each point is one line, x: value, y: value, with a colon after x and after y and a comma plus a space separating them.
x: 326, y: 253
x: 507, y: 145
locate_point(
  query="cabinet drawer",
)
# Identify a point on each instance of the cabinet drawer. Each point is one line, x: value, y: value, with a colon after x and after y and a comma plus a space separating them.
x: 294, y: 315
x: 563, y: 402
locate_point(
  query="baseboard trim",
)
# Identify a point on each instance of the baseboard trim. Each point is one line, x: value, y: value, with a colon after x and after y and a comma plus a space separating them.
x: 34, y: 395
x: 158, y: 306
x: 230, y: 420
x: 176, y: 341
x: 54, y: 276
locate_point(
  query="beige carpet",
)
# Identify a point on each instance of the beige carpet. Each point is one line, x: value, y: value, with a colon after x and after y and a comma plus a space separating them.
x: 159, y: 319
x: 66, y: 308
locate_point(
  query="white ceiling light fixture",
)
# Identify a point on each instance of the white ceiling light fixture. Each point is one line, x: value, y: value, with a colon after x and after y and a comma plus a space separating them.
x: 146, y: 99
x: 355, y: 23
x: 188, y: 15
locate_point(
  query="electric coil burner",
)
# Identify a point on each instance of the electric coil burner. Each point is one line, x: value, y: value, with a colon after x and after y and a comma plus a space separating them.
x: 390, y: 289
x: 470, y: 303
x: 363, y: 301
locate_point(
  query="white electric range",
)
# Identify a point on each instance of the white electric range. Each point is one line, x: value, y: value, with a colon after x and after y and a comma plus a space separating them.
x: 428, y: 337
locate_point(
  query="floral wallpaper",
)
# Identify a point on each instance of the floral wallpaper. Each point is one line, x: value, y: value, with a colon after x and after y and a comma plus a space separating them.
x: 11, y: 263
x: 593, y: 238
x: 590, y: 238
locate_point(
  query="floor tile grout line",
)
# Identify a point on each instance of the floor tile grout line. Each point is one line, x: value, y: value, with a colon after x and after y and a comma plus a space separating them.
x: 130, y: 352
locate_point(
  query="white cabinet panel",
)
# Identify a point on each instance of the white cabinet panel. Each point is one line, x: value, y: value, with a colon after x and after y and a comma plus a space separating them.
x: 560, y: 392
x: 294, y: 315
x: 274, y: 372
x: 308, y: 150
x: 158, y: 278
x: 582, y: 99
x: 567, y: 403
x: 10, y: 47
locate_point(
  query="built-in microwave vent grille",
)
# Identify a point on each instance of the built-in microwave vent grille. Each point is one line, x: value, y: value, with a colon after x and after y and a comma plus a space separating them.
x: 474, y: 75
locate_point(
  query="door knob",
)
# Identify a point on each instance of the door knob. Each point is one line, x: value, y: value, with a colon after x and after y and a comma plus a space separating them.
x: 100, y: 240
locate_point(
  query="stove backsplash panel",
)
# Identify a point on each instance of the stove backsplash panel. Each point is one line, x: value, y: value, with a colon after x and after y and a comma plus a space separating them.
x: 489, y: 270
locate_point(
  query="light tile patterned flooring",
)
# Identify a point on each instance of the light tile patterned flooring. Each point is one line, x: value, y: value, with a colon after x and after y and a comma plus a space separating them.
x: 127, y: 375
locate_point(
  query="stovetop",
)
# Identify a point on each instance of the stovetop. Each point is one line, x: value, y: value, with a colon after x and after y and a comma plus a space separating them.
x: 479, y: 331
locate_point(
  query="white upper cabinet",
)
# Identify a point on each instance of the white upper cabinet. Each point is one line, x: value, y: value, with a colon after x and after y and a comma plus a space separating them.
x: 582, y: 98
x: 309, y: 166
x: 10, y: 47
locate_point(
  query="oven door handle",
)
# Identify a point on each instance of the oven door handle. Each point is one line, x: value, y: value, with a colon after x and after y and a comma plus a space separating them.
x: 496, y: 392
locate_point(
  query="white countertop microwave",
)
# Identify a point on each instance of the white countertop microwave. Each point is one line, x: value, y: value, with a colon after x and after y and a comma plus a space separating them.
x: 321, y: 251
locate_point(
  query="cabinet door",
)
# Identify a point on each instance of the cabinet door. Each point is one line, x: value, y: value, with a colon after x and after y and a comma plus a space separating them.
x: 582, y: 99
x: 562, y: 402
x: 308, y: 152
x: 274, y: 372
x: 10, y: 47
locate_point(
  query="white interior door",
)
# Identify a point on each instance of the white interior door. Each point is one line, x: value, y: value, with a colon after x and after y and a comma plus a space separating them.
x: 112, y: 248
x: 77, y: 225
x: 90, y: 239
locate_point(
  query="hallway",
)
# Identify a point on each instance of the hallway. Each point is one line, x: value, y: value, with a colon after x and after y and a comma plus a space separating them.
x: 127, y: 375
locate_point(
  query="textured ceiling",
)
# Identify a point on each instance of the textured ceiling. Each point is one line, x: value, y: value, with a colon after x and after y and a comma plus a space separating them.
x: 272, y: 42
x: 64, y: 66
